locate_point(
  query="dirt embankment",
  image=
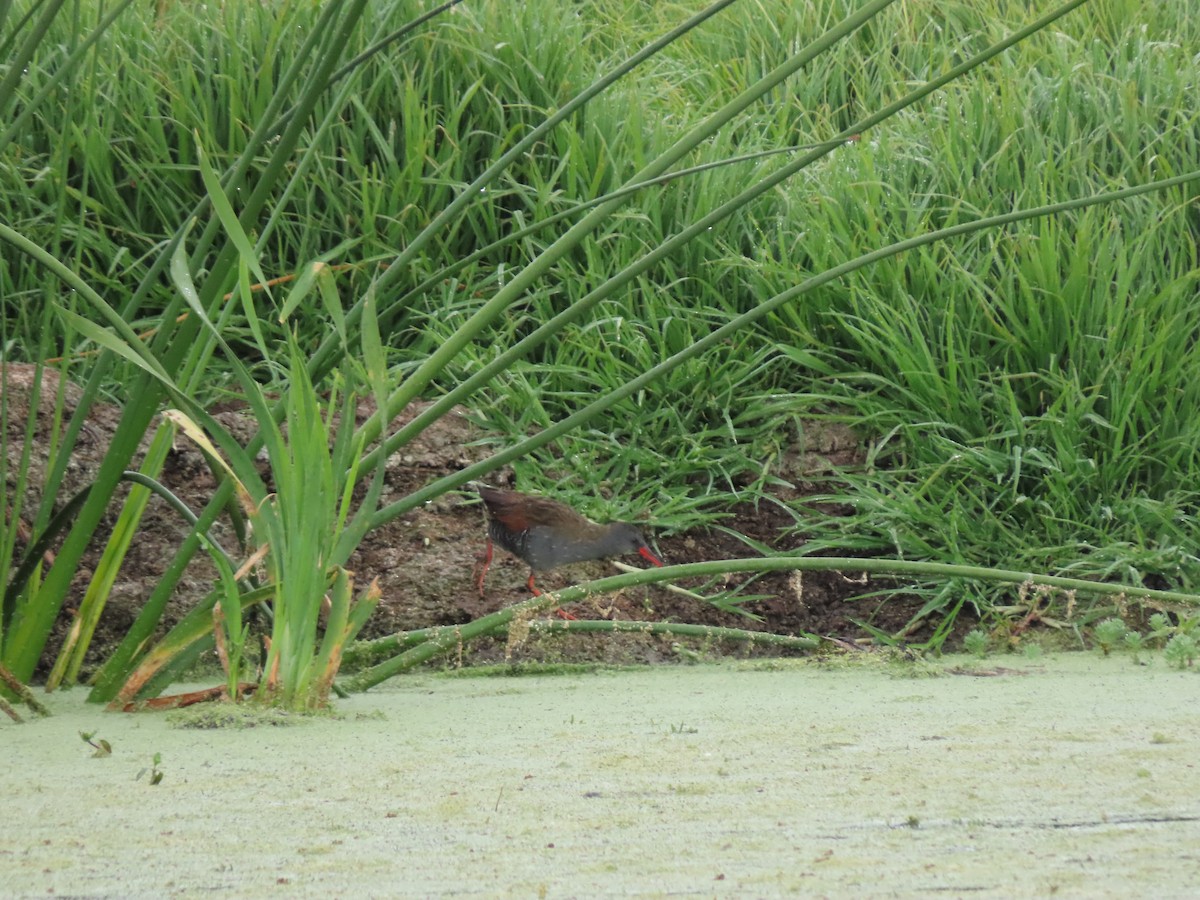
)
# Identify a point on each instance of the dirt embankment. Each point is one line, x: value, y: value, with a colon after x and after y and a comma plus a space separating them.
x: 425, y: 558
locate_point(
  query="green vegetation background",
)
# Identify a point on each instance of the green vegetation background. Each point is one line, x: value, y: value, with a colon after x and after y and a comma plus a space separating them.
x: 1027, y: 397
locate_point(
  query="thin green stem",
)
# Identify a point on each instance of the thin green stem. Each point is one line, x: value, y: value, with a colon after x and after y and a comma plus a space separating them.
x: 444, y: 640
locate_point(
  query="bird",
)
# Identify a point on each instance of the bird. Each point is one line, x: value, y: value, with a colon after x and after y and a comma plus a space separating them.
x: 546, y: 534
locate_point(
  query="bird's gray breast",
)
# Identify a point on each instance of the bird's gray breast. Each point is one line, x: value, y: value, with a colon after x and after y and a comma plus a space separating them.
x: 549, y: 548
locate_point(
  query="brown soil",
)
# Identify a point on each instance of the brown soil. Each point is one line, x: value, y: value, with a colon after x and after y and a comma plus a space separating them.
x: 424, y: 559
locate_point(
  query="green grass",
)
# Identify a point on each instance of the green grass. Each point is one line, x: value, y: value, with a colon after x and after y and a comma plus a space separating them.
x: 1028, y: 393
x: 1027, y: 396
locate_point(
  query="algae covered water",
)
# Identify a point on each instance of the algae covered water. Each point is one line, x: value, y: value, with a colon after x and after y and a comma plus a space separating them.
x: 1074, y: 775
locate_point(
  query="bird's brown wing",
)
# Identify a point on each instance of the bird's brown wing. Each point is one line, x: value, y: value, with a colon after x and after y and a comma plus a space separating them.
x: 520, y: 512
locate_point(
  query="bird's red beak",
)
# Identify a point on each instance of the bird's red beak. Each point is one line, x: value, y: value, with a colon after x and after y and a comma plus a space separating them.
x: 650, y: 557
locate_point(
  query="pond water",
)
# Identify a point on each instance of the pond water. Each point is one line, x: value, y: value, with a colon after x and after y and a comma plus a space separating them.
x: 1075, y: 775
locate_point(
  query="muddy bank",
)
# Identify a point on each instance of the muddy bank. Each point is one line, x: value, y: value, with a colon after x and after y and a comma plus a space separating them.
x: 424, y: 559
x: 1074, y: 775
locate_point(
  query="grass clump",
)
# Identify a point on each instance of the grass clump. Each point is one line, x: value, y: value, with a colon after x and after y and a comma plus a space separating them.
x: 1176, y: 641
x: 1111, y: 633
x: 976, y: 642
x: 1181, y: 651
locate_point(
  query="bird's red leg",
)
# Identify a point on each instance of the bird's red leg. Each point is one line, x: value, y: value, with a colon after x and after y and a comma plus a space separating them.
x: 558, y: 610
x: 481, y: 564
